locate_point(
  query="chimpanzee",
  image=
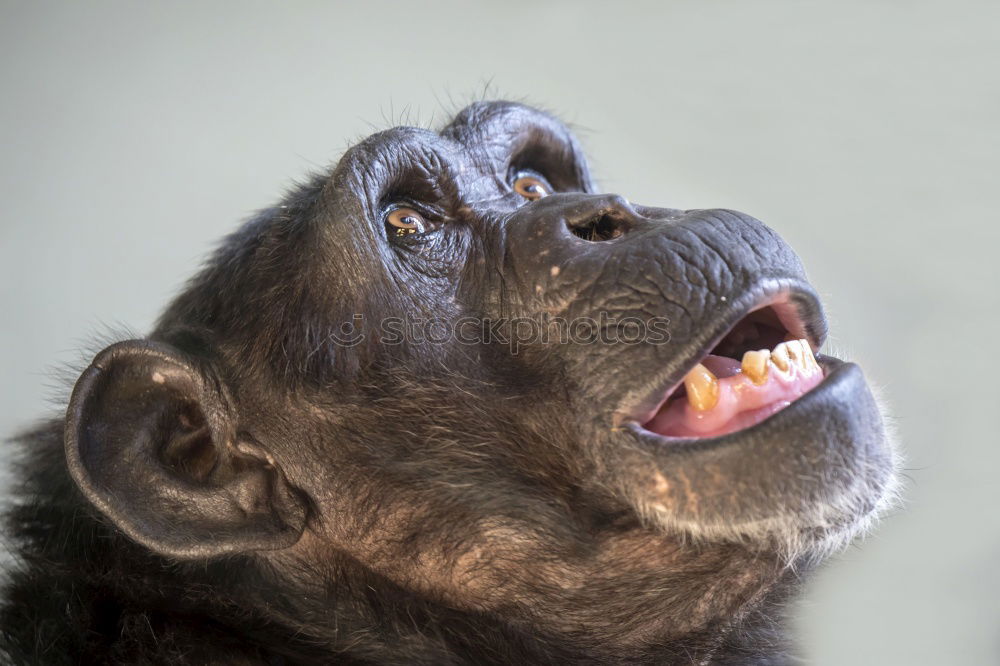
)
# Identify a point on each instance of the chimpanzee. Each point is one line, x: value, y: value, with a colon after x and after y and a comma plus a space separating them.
x: 451, y: 404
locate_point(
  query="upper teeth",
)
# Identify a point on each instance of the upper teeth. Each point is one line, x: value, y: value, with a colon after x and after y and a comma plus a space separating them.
x: 790, y: 356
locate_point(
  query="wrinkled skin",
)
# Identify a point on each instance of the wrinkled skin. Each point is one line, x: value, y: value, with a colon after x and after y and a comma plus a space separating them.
x: 244, y: 487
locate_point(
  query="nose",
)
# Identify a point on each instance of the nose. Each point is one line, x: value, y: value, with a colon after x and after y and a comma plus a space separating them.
x: 594, y: 218
x: 578, y: 255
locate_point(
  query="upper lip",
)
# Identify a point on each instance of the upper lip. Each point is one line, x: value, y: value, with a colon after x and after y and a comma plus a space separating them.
x: 794, y: 301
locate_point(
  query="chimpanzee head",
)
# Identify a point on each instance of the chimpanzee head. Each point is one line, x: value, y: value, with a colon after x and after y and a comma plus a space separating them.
x: 455, y: 365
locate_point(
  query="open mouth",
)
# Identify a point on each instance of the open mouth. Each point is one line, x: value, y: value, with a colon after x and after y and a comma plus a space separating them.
x: 759, y: 367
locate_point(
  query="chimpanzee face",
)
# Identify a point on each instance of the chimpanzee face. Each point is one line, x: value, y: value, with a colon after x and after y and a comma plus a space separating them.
x: 456, y: 363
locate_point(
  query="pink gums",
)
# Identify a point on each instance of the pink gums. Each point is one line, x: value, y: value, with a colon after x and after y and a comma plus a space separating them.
x: 741, y: 402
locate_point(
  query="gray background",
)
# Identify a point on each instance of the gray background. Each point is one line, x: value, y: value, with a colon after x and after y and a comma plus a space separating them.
x: 867, y: 133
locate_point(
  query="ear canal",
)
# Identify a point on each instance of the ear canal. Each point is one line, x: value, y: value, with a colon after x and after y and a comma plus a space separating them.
x: 151, y: 441
x: 189, y: 448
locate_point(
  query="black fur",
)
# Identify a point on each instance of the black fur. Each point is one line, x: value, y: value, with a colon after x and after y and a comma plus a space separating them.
x: 242, y: 488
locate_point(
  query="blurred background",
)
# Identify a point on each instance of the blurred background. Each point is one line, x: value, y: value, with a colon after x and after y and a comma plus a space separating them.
x: 134, y: 135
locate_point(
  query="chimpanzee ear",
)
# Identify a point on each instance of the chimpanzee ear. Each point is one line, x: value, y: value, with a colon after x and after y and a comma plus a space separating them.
x: 151, y: 440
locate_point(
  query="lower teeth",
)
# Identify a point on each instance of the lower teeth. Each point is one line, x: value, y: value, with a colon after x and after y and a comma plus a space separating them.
x: 792, y: 357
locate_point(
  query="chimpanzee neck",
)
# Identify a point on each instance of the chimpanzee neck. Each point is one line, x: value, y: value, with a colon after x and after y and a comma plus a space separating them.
x: 83, y: 592
x: 363, y: 616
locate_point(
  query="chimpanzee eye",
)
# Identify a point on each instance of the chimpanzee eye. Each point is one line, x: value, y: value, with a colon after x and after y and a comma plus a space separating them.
x: 403, y: 221
x: 531, y: 187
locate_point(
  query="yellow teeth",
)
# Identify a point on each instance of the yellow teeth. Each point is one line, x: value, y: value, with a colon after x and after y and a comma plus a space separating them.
x: 789, y: 354
x: 794, y: 348
x: 796, y: 353
x: 780, y: 357
x: 754, y: 365
x: 702, y: 388
x: 792, y: 355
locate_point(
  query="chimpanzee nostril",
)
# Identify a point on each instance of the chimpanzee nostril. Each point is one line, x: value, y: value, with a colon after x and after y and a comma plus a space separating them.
x: 599, y: 228
x: 595, y: 218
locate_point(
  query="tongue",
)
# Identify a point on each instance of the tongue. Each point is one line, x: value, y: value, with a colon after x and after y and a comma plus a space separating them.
x: 734, y: 401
